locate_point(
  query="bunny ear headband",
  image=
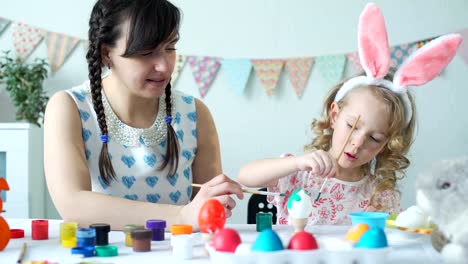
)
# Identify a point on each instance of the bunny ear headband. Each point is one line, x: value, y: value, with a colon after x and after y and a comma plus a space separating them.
x: 374, y: 54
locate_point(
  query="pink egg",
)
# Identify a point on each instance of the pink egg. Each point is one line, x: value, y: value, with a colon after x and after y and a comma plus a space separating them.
x: 302, y: 241
x: 226, y: 240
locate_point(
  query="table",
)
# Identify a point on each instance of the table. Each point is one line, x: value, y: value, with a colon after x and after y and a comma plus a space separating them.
x: 403, y: 249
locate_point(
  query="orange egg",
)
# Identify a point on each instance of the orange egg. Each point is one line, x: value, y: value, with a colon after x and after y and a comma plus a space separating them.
x: 355, y: 232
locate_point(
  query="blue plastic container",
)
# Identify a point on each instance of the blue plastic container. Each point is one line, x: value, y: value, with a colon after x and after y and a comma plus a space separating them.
x: 372, y: 219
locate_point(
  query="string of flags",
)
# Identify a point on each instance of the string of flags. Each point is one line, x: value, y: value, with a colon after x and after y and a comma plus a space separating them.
x: 205, y: 68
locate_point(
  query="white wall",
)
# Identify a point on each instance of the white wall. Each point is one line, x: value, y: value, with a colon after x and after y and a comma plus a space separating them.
x: 254, y: 125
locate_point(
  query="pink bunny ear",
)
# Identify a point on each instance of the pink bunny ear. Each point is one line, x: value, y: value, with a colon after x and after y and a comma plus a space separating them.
x: 374, y: 52
x: 428, y: 62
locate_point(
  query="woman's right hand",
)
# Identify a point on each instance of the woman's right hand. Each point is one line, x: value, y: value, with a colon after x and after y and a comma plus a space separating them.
x: 319, y: 163
x: 220, y: 188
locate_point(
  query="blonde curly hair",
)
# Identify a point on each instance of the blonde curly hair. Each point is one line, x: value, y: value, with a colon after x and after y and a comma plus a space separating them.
x: 391, y: 162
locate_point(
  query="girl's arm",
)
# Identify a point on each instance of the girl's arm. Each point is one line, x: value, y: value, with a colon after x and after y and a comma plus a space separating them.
x: 267, y: 172
x: 69, y: 183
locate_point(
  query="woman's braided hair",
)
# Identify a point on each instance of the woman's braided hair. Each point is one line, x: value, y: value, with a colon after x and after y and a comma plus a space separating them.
x: 151, y: 23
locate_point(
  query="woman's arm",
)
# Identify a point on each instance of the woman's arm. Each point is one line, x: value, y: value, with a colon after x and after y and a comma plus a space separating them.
x: 206, y: 167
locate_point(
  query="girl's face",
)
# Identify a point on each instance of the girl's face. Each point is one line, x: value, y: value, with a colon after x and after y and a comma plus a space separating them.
x: 145, y: 74
x: 370, y: 134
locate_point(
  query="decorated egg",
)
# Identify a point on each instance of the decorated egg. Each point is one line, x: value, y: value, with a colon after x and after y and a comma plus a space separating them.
x: 302, y: 241
x: 226, y: 240
x: 211, y: 216
x: 355, y: 232
x: 267, y: 240
x: 373, y: 238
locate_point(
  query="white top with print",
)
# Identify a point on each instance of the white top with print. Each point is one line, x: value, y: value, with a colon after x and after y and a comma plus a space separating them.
x: 136, y: 166
x: 337, y: 200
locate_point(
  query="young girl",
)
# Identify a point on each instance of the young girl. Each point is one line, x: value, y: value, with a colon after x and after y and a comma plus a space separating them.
x: 364, y: 177
x: 124, y: 147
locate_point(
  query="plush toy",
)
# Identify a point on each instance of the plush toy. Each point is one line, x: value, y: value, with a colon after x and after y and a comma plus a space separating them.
x: 442, y: 194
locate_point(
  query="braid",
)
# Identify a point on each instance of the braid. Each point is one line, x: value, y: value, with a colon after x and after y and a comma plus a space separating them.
x: 93, y: 57
x: 172, y: 150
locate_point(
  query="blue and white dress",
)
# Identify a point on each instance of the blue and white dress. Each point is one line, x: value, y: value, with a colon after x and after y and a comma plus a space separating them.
x: 137, y: 153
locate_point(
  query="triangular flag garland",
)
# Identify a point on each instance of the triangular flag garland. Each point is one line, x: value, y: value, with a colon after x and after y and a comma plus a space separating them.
x: 400, y: 53
x: 353, y: 59
x: 299, y: 71
x: 25, y: 39
x: 237, y: 73
x: 268, y: 71
x: 59, y: 46
x: 4, y: 24
x: 204, y: 71
x: 179, y: 65
x: 331, y: 67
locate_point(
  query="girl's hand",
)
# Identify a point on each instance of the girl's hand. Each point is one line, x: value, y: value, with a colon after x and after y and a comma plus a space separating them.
x: 220, y: 188
x: 319, y: 163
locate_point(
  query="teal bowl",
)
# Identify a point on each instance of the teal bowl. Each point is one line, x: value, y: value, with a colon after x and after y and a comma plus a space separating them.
x: 372, y: 219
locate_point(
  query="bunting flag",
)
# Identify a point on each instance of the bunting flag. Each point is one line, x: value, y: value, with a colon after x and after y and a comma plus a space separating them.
x: 25, y: 39
x: 400, y: 53
x: 204, y: 71
x: 463, y: 50
x: 331, y: 67
x: 4, y: 24
x: 59, y: 47
x: 421, y: 43
x: 299, y: 71
x: 268, y: 70
x: 237, y: 72
x: 179, y: 65
x: 353, y: 59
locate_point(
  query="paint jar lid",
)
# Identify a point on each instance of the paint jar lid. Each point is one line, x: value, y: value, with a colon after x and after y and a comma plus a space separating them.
x: 155, y: 224
x: 101, y: 227
x: 181, y: 229
x: 17, y: 233
x: 106, y: 251
x: 85, y: 251
x: 142, y: 234
x: 130, y: 228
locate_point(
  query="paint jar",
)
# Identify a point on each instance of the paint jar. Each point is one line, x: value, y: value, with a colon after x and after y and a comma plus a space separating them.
x: 182, y: 246
x: 158, y: 227
x: 102, y: 233
x: 128, y: 233
x: 141, y: 240
x: 180, y: 230
x: 40, y: 229
x: 85, y: 237
x: 68, y: 234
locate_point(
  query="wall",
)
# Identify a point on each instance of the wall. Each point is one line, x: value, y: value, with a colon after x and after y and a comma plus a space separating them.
x: 254, y: 125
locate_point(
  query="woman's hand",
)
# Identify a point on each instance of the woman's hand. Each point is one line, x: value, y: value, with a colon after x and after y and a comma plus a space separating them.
x: 319, y: 163
x: 220, y: 188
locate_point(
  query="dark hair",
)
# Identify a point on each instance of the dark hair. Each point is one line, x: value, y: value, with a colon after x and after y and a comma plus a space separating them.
x: 151, y: 23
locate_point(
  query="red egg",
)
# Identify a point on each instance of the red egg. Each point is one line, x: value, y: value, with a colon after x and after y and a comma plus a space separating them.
x: 226, y: 240
x: 302, y: 241
x: 211, y: 216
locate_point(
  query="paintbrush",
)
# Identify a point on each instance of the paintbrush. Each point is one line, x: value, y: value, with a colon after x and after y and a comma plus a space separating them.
x: 22, y: 253
x: 250, y: 191
x: 339, y: 156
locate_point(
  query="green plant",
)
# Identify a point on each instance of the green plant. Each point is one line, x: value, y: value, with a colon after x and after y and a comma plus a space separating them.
x: 23, y: 82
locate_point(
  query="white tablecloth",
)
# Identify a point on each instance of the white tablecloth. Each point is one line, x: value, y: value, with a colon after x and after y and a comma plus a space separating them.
x: 403, y: 249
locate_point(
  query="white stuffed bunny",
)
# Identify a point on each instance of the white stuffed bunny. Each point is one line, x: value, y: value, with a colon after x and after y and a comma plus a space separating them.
x: 442, y: 193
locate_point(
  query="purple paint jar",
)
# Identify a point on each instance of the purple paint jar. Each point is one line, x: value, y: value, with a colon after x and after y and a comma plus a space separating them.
x: 157, y: 226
